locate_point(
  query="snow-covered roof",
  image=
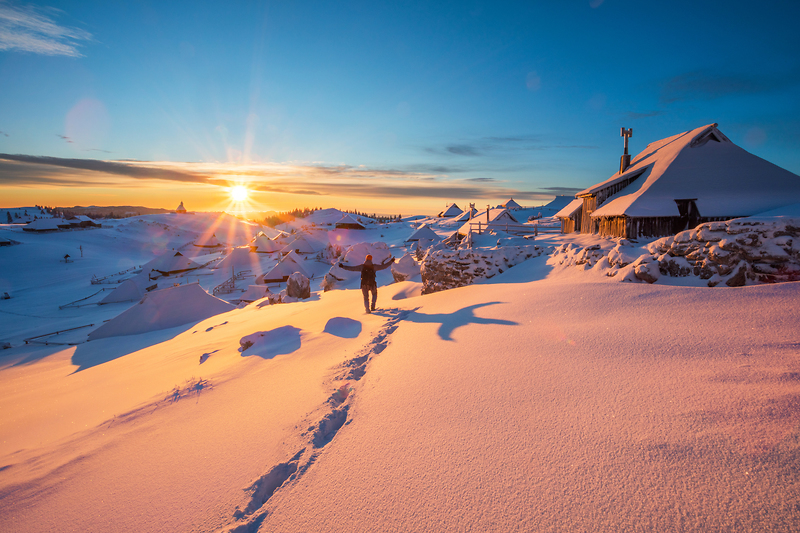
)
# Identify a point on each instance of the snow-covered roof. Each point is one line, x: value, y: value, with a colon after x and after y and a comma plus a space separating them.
x: 180, y: 209
x: 702, y: 165
x: 424, y: 232
x: 171, y: 264
x: 207, y: 241
x: 240, y: 259
x: 44, y: 224
x: 253, y: 293
x: 570, y: 208
x: 162, y: 309
x: 280, y: 272
x: 263, y: 244
x: 452, y: 210
x: 497, y: 217
x: 511, y: 204
x: 300, y: 244
x: 348, y: 221
x: 127, y: 291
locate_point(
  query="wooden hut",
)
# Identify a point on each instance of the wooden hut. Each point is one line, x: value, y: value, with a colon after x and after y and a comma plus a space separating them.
x: 679, y: 182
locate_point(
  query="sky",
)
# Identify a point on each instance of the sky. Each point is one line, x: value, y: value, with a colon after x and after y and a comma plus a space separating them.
x: 392, y: 108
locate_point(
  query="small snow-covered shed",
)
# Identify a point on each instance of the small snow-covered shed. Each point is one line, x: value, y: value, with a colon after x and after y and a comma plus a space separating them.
x: 348, y: 222
x: 682, y: 181
x: 300, y: 245
x: 452, y: 210
x: 424, y: 232
x: 253, y: 293
x: 264, y: 245
x: 167, y: 265
x: 492, y: 219
x: 127, y: 291
x: 180, y: 209
x: 162, y: 309
x: 285, y: 268
x: 466, y: 214
x: 208, y: 241
x: 44, y: 225
x: 511, y: 204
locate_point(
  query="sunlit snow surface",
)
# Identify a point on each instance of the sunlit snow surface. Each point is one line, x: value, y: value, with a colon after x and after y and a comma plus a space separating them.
x: 551, y: 398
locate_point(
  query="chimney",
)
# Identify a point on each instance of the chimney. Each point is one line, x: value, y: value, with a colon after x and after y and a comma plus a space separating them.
x: 625, y: 160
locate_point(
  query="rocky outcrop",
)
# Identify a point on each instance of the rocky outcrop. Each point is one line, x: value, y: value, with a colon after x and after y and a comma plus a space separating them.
x: 298, y: 286
x: 446, y: 269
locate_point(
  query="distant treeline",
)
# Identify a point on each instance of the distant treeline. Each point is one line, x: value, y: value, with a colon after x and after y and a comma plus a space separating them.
x: 274, y: 219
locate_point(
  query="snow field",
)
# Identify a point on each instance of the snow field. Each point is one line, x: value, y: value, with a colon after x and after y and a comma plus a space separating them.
x: 549, y: 398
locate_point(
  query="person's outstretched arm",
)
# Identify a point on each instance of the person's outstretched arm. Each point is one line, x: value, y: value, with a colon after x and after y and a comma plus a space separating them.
x: 384, y: 265
x: 350, y: 268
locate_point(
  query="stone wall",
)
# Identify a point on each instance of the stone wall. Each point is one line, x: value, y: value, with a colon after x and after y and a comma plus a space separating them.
x: 447, y: 269
x: 736, y: 252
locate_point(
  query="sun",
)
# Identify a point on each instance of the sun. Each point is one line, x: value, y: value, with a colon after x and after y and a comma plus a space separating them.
x: 239, y: 193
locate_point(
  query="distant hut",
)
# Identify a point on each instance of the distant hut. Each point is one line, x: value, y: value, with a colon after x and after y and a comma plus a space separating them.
x: 492, y: 219
x: 511, y: 205
x: 424, y: 233
x: 44, y: 225
x: 466, y: 214
x: 181, y: 210
x: 348, y: 222
x: 452, y: 210
x: 208, y: 241
x: 167, y: 265
x: 301, y: 245
x: 682, y: 181
x: 281, y: 272
x: 264, y: 245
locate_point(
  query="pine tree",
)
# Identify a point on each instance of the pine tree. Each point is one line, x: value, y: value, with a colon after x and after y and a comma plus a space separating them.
x: 8, y: 216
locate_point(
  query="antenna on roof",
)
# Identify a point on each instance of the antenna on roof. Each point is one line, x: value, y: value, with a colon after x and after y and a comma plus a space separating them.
x: 625, y: 160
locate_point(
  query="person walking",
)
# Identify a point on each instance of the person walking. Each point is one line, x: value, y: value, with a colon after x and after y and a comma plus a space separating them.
x: 368, y: 283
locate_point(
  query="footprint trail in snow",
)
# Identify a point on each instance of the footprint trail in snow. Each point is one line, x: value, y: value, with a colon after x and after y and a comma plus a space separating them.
x: 318, y: 433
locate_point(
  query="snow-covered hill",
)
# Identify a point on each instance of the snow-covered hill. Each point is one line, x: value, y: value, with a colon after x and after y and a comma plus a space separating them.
x: 551, y: 397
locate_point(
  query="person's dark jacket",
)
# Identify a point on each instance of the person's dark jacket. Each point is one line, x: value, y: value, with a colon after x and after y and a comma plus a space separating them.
x: 367, y: 270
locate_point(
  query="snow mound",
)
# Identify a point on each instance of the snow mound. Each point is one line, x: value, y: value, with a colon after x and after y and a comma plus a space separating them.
x: 163, y: 309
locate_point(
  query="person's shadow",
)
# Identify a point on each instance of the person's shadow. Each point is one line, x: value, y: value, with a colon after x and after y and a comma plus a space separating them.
x: 450, y: 321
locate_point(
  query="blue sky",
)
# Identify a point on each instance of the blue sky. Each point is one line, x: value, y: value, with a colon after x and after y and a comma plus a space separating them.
x: 393, y: 107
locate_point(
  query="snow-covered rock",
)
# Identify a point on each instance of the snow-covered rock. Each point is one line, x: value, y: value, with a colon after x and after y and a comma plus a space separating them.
x: 298, y: 286
x: 406, y: 268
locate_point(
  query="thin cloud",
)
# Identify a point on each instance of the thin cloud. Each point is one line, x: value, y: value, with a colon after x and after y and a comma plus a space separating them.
x: 64, y: 137
x: 462, y: 149
x: 29, y: 29
x: 3, y: 133
x: 318, y: 180
x: 499, y: 145
x: 110, y: 167
x: 702, y: 85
